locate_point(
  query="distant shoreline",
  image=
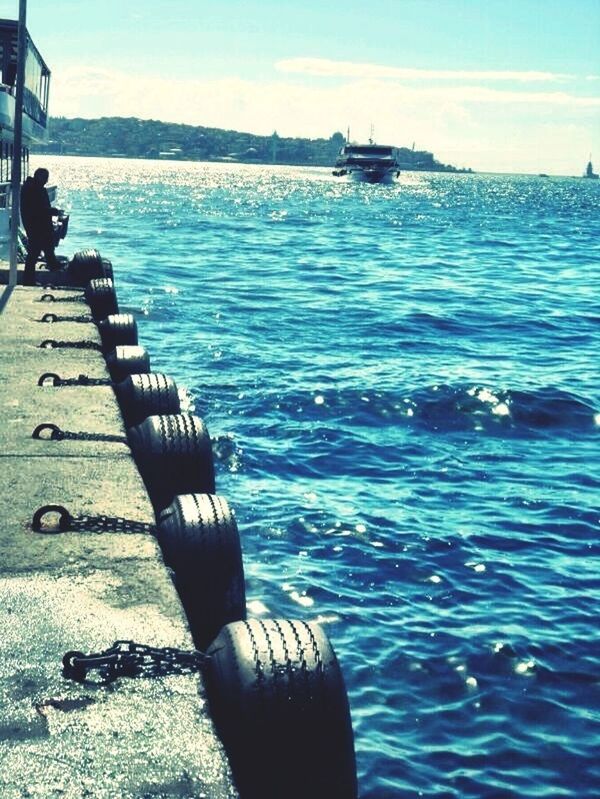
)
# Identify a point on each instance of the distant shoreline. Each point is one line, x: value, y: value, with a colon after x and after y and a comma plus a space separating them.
x: 129, y: 137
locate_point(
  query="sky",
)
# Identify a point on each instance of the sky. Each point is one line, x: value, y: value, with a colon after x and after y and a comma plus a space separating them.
x: 495, y: 85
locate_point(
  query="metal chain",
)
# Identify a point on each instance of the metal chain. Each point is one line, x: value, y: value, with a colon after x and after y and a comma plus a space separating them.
x: 52, y: 298
x: 128, y: 659
x: 67, y: 523
x: 50, y: 343
x: 52, y: 317
x: 56, y: 434
x: 82, y: 380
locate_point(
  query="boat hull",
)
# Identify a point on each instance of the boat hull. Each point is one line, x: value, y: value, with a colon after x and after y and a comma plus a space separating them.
x: 368, y: 175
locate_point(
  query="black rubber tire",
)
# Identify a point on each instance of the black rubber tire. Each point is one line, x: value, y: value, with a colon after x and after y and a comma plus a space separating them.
x: 118, y: 329
x: 127, y: 359
x: 100, y: 295
x: 108, y: 269
x: 199, y: 539
x: 174, y: 456
x: 84, y: 266
x: 278, y: 700
x: 142, y: 395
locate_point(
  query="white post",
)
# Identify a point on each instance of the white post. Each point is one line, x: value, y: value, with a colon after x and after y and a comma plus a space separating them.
x: 17, y: 145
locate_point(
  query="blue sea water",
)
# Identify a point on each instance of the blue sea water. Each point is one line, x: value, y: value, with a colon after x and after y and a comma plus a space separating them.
x: 401, y: 383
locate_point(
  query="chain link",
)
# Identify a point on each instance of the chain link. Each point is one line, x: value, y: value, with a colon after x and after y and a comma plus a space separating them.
x: 67, y: 523
x: 56, y: 434
x: 128, y: 659
x: 82, y: 380
x: 50, y: 343
x: 52, y: 317
x: 51, y: 298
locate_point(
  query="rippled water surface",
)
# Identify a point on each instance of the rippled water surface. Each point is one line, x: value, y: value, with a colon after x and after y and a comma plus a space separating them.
x: 402, y: 387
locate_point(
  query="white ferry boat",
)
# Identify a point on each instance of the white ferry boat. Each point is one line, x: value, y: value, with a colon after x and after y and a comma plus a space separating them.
x: 369, y: 163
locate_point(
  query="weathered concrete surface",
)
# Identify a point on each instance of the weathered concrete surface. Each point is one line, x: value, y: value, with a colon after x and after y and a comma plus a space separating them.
x: 146, y: 737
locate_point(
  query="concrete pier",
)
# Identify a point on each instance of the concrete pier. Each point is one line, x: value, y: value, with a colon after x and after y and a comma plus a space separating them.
x: 142, y: 737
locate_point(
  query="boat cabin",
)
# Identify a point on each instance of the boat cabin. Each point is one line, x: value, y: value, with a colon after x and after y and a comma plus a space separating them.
x: 36, y: 88
x: 371, y: 152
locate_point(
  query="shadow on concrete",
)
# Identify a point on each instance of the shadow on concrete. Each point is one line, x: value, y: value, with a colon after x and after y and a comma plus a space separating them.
x: 5, y: 297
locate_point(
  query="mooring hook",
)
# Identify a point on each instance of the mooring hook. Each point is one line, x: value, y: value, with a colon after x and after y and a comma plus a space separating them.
x: 49, y: 317
x: 47, y: 298
x: 64, y: 521
x: 72, y: 666
x: 55, y: 435
x: 49, y: 376
x: 48, y: 343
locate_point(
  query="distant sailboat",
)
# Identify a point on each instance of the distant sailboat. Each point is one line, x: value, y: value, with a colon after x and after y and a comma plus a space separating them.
x: 589, y: 172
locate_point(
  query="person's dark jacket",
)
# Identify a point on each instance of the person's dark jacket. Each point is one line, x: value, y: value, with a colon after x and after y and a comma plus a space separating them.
x: 36, y: 211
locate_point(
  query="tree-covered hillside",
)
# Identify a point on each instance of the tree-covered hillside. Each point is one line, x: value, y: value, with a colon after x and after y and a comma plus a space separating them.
x: 141, y: 138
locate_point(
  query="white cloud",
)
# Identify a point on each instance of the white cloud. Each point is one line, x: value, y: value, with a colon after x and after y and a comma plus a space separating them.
x: 297, y: 108
x: 326, y: 68
x: 479, y: 94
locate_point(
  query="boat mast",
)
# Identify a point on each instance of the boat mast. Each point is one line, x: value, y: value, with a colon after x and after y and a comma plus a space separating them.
x: 17, y: 143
